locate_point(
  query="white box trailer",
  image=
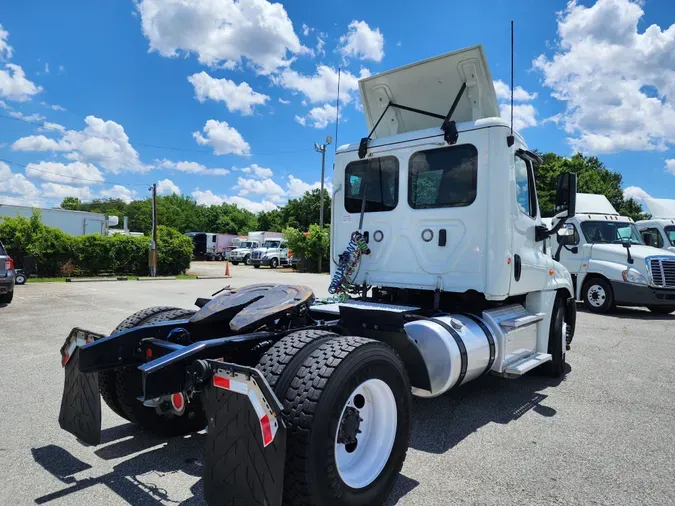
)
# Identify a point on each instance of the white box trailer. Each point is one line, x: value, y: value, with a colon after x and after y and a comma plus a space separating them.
x: 439, y: 276
x: 609, y: 261
x: 71, y: 222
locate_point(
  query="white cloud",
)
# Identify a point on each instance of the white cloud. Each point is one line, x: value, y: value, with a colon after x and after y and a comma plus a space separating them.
x: 5, y: 48
x: 617, y: 84
x: 322, y: 86
x: 320, y: 43
x: 167, y: 187
x: 33, y: 118
x: 57, y: 107
x: 61, y: 191
x: 237, y: 97
x: 222, y: 32
x: 18, y: 186
x: 223, y: 138
x: 296, y: 187
x: 503, y: 91
x: 399, y: 44
x: 306, y: 29
x: 258, y: 171
x: 524, y: 115
x: 670, y: 166
x: 46, y: 68
x: 103, y: 143
x: 320, y: 117
x: 636, y: 193
x: 208, y: 198
x: 285, y: 102
x: 271, y: 190
x: 362, y: 42
x: 15, y: 86
x: 192, y: 168
x: 119, y: 192
x: 75, y: 173
x: 47, y: 126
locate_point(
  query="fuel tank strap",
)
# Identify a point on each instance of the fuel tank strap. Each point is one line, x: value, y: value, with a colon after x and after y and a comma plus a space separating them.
x: 490, y: 338
x: 460, y: 344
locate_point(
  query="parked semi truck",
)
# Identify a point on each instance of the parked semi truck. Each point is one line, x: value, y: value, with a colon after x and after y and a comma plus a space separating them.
x: 243, y: 253
x: 439, y: 276
x: 208, y: 246
x: 609, y: 262
x: 659, y: 229
x: 71, y: 222
x: 273, y: 253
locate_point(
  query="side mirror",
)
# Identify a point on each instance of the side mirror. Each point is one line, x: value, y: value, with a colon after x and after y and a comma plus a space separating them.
x: 565, y: 231
x: 626, y: 244
x: 566, y: 193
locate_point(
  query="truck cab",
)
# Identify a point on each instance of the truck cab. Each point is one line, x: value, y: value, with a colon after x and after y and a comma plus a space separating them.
x: 659, y: 230
x: 242, y: 253
x: 610, y: 263
x: 273, y: 253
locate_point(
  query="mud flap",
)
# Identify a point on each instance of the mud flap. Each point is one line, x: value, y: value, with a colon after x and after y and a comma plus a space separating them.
x: 246, y: 440
x: 81, y: 403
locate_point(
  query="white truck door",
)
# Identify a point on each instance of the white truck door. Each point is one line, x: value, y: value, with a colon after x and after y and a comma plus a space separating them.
x: 529, y: 263
x: 572, y: 253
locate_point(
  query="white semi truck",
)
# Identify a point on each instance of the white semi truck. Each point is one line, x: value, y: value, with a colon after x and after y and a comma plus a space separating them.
x: 609, y: 262
x: 273, y: 253
x: 244, y: 251
x: 439, y: 276
x: 71, y: 222
x: 659, y: 229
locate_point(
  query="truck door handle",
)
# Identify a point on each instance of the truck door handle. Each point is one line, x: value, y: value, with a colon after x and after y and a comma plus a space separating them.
x: 442, y: 237
x: 517, y: 267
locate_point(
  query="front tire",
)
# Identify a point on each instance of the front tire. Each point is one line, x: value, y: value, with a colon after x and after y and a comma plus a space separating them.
x: 234, y: 263
x: 556, y: 348
x: 342, y: 373
x: 661, y: 309
x: 598, y: 296
x: 274, y: 263
x: 247, y: 260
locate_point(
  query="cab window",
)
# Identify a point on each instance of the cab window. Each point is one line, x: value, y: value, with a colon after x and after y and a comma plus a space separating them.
x: 652, y: 237
x: 378, y: 178
x: 526, y: 195
x: 445, y: 177
x: 670, y: 234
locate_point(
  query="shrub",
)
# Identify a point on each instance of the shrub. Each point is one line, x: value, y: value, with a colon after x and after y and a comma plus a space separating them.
x: 174, y: 251
x: 310, y: 246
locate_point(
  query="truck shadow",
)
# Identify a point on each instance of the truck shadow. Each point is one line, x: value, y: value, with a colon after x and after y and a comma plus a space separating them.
x: 441, y: 423
x: 146, y: 457
x: 633, y: 313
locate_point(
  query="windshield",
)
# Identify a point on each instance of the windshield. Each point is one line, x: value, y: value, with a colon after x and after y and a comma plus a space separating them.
x: 271, y: 244
x: 245, y: 244
x: 670, y: 234
x: 610, y: 232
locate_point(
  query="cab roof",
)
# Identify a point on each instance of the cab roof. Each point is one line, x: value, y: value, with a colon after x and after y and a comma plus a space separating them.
x: 660, y: 208
x: 430, y: 85
x: 589, y: 203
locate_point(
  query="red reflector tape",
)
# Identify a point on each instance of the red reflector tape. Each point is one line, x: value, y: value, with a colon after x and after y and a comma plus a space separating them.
x: 266, y: 427
x: 220, y: 382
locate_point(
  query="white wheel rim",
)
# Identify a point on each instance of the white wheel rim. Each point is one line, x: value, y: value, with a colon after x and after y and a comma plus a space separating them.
x: 376, y: 406
x: 596, y: 296
x: 20, y: 279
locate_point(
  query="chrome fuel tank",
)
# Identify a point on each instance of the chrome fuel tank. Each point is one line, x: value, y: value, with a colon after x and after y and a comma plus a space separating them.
x: 456, y: 348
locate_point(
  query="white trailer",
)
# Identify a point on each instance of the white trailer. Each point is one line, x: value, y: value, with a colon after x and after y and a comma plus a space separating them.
x: 609, y: 262
x: 439, y: 276
x: 659, y: 230
x: 71, y: 222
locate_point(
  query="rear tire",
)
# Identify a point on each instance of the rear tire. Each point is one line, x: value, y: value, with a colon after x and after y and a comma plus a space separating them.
x: 661, y: 309
x: 6, y: 298
x: 256, y: 267
x: 314, y: 405
x: 129, y: 388
x: 20, y: 279
x: 598, y: 295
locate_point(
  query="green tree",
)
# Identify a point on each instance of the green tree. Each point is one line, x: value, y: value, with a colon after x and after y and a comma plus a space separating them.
x: 71, y: 203
x: 592, y: 177
x: 304, y: 211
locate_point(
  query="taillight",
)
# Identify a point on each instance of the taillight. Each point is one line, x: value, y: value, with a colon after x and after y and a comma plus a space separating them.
x: 9, y: 265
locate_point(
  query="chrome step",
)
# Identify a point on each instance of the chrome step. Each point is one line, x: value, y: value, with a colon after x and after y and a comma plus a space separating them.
x: 521, y: 366
x: 521, y: 321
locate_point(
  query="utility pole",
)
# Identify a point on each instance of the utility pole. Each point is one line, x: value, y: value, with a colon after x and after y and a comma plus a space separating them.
x: 153, y: 243
x: 322, y: 149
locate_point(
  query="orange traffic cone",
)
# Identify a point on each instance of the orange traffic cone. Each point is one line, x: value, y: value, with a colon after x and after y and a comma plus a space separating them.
x: 227, y: 270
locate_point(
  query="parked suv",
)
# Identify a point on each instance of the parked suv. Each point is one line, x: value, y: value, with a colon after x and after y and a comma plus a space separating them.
x: 6, y: 277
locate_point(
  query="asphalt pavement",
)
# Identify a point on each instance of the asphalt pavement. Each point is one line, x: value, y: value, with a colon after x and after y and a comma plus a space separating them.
x: 603, y: 435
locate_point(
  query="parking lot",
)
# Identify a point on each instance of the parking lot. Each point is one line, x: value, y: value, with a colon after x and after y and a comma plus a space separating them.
x: 604, y: 435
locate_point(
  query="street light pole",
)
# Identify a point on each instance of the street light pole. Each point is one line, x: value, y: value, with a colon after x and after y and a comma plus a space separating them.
x: 322, y: 149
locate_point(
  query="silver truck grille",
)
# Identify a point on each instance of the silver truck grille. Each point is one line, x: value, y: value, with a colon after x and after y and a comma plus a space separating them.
x: 257, y: 255
x: 662, y: 271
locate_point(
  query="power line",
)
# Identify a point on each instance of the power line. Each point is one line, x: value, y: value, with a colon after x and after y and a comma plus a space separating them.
x: 73, y: 177
x: 155, y: 146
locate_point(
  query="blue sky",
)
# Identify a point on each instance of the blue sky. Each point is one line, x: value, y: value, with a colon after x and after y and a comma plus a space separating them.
x: 223, y: 100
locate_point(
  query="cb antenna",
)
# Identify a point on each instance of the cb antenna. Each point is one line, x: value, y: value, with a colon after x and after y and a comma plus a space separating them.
x: 337, y: 112
x: 511, y: 139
